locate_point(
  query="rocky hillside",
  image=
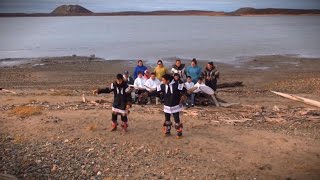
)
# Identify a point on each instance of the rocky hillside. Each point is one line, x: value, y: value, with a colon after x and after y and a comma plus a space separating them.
x: 274, y: 11
x: 67, y: 10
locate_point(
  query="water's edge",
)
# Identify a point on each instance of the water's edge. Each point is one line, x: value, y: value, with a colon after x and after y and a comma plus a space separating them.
x: 37, y: 61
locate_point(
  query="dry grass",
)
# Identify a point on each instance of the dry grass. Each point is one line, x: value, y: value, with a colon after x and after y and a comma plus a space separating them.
x: 18, y: 139
x: 26, y: 111
x: 92, y: 127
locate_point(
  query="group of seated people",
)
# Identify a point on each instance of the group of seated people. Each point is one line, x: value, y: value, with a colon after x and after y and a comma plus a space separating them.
x: 145, y: 82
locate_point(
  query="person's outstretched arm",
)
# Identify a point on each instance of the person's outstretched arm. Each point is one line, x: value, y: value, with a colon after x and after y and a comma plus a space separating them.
x: 103, y: 90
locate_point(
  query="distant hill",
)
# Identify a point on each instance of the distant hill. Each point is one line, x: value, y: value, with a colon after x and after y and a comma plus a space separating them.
x: 70, y: 10
x: 76, y: 10
x: 274, y: 11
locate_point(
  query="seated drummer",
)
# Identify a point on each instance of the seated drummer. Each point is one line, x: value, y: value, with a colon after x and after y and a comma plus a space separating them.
x: 139, y: 83
x: 139, y: 86
x: 202, y: 97
x: 151, y: 87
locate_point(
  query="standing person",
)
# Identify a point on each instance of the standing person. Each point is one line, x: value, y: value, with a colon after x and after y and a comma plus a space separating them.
x: 160, y: 70
x: 139, y: 68
x: 128, y: 78
x: 151, y: 85
x: 189, y: 85
x: 179, y: 69
x: 173, y: 94
x: 194, y: 71
x: 211, y: 75
x: 121, y: 101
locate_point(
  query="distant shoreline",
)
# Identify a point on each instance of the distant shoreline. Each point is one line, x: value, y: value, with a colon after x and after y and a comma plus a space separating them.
x: 75, y: 10
x: 10, y: 62
x: 116, y: 14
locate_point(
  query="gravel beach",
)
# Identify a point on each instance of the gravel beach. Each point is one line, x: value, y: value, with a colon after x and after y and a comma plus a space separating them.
x: 47, y: 132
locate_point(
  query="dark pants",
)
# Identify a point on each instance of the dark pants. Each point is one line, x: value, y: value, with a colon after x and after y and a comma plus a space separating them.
x: 140, y: 91
x: 190, y: 98
x: 175, y: 116
x: 124, y: 118
x: 152, y: 94
x: 212, y: 84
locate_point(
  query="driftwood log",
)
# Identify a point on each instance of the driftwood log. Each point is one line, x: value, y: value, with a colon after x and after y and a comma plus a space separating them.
x: 231, y: 84
x: 5, y: 90
x: 298, y: 98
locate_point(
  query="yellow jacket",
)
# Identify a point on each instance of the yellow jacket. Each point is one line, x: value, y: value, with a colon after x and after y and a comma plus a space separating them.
x: 160, y: 71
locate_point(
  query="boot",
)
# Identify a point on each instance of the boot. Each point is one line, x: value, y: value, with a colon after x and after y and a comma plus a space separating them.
x: 114, y: 126
x: 124, y: 126
x: 178, y: 127
x: 167, y: 128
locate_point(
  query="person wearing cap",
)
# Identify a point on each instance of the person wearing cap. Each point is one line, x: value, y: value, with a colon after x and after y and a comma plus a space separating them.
x: 160, y: 70
x: 139, y: 68
x: 211, y: 75
x: 146, y: 74
x: 128, y: 78
x: 179, y: 69
x: 194, y: 71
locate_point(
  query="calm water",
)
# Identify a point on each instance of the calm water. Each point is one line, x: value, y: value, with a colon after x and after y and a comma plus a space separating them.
x: 149, y: 37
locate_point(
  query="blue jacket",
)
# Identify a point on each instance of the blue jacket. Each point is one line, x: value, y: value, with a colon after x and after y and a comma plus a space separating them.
x: 194, y: 72
x: 138, y: 69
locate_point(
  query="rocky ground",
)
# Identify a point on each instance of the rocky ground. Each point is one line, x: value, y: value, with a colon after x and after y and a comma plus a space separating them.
x: 47, y: 132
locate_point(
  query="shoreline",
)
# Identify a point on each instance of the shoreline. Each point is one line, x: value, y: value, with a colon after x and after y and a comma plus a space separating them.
x: 210, y: 14
x: 9, y: 62
x: 254, y: 72
x: 262, y: 15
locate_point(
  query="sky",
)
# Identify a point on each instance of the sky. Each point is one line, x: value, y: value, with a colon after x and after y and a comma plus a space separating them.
x: 44, y: 6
